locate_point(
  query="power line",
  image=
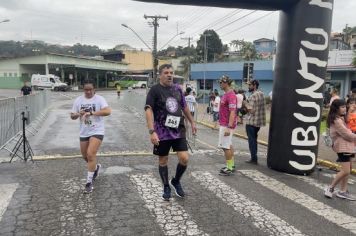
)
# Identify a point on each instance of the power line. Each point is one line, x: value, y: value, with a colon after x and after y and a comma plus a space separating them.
x: 251, y: 22
x: 235, y: 20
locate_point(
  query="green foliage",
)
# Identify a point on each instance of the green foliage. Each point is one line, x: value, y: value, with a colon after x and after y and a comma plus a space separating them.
x: 247, y: 49
x: 11, y: 49
x: 213, y: 44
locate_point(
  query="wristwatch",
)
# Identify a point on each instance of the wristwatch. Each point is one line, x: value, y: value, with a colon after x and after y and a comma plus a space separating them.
x: 151, y: 131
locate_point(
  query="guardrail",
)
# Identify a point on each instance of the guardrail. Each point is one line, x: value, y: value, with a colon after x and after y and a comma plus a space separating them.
x: 10, y: 113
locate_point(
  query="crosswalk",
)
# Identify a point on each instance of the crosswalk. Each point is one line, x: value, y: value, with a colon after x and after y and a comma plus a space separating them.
x: 251, y: 202
x: 260, y: 217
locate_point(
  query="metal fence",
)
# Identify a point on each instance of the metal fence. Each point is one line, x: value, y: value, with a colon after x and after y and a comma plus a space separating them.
x: 10, y: 113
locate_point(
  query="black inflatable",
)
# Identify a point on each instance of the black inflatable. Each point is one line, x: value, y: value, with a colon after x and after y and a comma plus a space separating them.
x: 300, y: 69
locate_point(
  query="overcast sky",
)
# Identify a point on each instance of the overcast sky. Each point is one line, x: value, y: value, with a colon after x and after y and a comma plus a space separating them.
x: 98, y: 22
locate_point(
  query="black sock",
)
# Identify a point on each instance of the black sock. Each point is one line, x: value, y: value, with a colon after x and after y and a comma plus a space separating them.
x: 163, y: 172
x: 179, y: 172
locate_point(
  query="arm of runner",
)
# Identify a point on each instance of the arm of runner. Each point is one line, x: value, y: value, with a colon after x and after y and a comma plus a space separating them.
x: 106, y: 111
x: 190, y: 118
x: 150, y: 125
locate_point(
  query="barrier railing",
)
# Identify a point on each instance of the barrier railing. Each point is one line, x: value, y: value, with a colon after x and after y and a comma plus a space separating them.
x: 10, y: 113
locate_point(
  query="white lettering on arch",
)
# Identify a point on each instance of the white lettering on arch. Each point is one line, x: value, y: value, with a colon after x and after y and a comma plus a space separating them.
x: 322, y: 3
x: 308, y: 119
x: 318, y: 82
x: 313, y: 46
x: 304, y: 133
x: 299, y: 166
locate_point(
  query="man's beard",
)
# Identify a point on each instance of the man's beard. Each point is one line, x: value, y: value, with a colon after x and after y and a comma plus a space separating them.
x: 251, y: 90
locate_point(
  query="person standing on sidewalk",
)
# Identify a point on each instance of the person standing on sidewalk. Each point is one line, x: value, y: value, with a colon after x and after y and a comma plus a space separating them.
x: 256, y: 118
x: 164, y: 109
x: 344, y: 145
x: 216, y: 109
x: 227, y: 121
x: 190, y: 100
x: 90, y: 108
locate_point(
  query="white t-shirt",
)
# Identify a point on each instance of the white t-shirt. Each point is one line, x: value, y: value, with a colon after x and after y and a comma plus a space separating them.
x: 93, y: 125
x: 216, y: 104
x: 240, y: 98
x: 190, y: 99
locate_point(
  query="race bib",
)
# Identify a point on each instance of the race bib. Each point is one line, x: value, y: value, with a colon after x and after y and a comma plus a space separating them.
x: 172, y: 121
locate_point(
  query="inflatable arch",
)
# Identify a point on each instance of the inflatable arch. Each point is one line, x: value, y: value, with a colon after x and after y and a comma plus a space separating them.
x: 302, y: 55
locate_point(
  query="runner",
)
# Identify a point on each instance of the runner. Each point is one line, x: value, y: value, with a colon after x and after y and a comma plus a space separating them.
x: 90, y: 108
x: 165, y: 105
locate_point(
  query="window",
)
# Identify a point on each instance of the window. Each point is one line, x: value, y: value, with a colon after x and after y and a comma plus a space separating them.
x: 10, y: 74
x: 208, y: 84
x: 5, y: 74
x: 15, y: 74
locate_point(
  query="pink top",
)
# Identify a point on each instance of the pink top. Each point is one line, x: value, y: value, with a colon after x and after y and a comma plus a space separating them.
x: 227, y: 103
x: 343, y: 139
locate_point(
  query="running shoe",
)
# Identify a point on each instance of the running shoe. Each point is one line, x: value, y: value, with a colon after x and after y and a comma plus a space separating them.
x: 225, y: 172
x: 345, y: 195
x: 96, y: 172
x: 328, y: 192
x: 166, y: 193
x: 88, y: 188
x: 177, y: 188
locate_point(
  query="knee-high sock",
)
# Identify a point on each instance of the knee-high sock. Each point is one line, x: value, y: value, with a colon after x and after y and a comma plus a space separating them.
x: 163, y: 172
x: 179, y: 172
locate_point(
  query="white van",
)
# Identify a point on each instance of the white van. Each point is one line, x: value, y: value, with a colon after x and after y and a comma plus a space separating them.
x: 47, y: 81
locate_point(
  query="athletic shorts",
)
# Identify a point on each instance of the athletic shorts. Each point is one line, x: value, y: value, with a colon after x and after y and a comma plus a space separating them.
x: 178, y: 145
x: 86, y: 139
x: 344, y: 157
x: 225, y: 142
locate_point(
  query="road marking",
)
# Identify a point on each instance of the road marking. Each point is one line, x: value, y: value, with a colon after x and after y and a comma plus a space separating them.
x: 262, y: 218
x: 328, y: 213
x: 171, y: 217
x: 6, y: 192
x: 206, y: 144
x: 74, y: 201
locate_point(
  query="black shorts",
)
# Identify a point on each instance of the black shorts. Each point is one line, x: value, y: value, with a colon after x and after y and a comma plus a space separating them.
x: 86, y: 139
x: 178, y: 145
x: 344, y: 157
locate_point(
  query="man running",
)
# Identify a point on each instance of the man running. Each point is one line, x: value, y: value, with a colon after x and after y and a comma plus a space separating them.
x: 165, y: 105
x: 90, y: 108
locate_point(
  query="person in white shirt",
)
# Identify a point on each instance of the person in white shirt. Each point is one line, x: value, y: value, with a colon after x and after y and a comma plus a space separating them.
x: 90, y: 108
x: 240, y: 98
x: 216, y: 109
x: 190, y: 100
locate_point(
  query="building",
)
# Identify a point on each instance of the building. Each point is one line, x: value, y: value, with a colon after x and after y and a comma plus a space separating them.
x: 265, y: 48
x: 71, y: 69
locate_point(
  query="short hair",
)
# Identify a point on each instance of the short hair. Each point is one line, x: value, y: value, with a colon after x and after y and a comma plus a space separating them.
x: 164, y: 66
x: 188, y: 90
x: 89, y: 81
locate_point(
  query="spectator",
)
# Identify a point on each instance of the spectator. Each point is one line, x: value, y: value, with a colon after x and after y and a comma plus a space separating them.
x: 26, y: 89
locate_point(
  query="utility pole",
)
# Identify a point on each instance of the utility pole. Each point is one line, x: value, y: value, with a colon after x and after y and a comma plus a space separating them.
x: 188, y: 72
x: 205, y: 61
x: 154, y: 51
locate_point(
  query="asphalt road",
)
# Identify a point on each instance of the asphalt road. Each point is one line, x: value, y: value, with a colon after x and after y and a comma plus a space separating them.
x: 45, y: 197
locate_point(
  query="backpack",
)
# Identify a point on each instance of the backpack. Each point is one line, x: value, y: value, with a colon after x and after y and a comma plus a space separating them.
x: 327, y: 139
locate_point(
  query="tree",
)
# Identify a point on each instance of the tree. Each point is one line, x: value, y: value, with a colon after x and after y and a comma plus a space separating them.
x: 247, y: 49
x: 214, y: 46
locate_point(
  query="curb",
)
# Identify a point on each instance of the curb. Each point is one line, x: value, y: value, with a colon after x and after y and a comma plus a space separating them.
x: 325, y: 163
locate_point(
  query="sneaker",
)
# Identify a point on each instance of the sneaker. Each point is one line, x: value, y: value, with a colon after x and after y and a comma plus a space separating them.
x: 88, y: 188
x: 328, y: 192
x: 345, y: 195
x: 225, y: 172
x: 252, y: 162
x: 166, y: 193
x: 233, y: 169
x: 96, y: 172
x: 177, y: 188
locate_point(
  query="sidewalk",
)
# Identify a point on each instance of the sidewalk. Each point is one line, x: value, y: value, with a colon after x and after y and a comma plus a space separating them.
x: 326, y: 156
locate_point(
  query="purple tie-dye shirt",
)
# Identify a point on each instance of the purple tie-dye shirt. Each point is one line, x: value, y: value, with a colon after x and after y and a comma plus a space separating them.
x: 167, y: 101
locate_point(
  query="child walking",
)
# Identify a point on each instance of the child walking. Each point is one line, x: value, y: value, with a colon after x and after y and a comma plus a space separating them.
x: 344, y: 145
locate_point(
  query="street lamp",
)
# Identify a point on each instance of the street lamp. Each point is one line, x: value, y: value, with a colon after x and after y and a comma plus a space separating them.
x: 126, y: 26
x: 180, y: 33
x: 3, y: 21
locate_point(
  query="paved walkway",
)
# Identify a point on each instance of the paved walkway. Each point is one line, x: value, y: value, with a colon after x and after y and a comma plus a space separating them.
x: 326, y: 156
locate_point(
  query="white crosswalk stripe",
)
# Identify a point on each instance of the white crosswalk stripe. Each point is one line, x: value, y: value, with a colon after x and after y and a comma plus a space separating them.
x: 6, y: 192
x: 262, y: 218
x: 171, y: 217
x: 333, y: 215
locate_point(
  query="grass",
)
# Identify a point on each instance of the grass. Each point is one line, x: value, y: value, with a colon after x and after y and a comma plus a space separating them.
x: 323, y: 126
